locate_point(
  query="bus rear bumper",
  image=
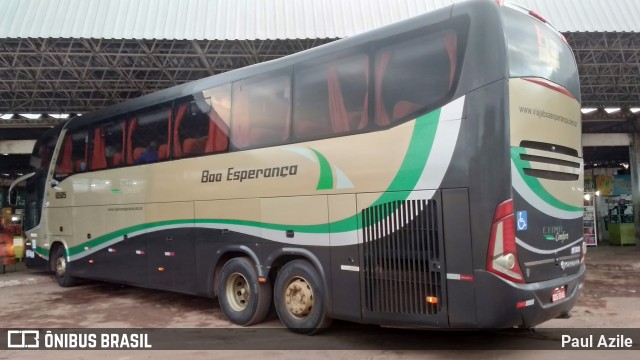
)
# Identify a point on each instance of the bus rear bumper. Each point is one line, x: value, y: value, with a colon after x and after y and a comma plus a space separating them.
x: 504, y: 304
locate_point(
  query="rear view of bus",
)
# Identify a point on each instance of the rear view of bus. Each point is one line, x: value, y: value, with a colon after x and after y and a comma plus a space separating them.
x: 536, y: 243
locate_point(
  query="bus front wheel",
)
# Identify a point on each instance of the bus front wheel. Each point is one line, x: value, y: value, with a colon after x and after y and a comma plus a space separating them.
x: 61, y: 268
x: 299, y: 298
x: 243, y: 299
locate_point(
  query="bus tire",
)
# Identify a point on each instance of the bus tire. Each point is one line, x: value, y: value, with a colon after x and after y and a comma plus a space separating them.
x: 243, y: 299
x: 299, y: 298
x: 61, y: 268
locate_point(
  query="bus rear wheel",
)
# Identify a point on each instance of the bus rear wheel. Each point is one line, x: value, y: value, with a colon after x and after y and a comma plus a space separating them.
x: 299, y: 298
x: 243, y: 299
x: 61, y: 268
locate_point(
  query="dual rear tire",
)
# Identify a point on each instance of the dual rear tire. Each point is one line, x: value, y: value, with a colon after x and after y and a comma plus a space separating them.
x: 298, y: 295
x: 300, y: 298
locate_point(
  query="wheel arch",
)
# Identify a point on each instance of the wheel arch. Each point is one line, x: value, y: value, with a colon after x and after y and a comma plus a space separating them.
x: 225, y: 254
x: 53, y: 248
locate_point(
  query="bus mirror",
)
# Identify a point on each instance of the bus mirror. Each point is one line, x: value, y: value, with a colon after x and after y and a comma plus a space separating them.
x: 200, y: 105
x: 13, y: 194
x: 12, y: 197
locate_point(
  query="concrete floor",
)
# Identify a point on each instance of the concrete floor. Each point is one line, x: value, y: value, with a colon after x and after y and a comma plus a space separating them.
x: 610, y: 299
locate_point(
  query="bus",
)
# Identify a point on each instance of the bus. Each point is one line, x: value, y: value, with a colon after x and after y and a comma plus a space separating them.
x: 425, y: 174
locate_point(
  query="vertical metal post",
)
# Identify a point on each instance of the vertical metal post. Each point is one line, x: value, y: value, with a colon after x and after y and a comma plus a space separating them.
x: 634, y: 167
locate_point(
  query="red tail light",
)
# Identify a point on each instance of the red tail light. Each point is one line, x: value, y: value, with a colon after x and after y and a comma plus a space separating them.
x: 502, y: 258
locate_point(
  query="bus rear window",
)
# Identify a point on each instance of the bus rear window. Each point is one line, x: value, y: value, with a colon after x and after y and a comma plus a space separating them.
x: 535, y: 50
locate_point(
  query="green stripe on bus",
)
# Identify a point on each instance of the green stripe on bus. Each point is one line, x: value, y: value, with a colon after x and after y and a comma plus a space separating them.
x: 325, y: 182
x: 406, y: 179
x: 534, y: 184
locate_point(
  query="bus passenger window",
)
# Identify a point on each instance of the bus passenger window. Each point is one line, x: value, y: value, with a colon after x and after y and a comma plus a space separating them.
x: 201, y: 125
x: 261, y: 111
x: 412, y: 76
x: 112, y: 147
x: 331, y: 97
x: 147, y: 133
x: 98, y: 150
x: 73, y: 154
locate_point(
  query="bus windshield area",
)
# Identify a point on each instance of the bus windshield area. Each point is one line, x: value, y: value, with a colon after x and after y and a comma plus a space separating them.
x: 536, y: 50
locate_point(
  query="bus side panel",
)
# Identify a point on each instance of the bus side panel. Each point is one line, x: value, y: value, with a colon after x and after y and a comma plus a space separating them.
x: 88, y: 223
x: 60, y: 221
x: 459, y: 259
x: 487, y: 135
x: 345, y: 260
x: 171, y: 252
x: 215, y: 236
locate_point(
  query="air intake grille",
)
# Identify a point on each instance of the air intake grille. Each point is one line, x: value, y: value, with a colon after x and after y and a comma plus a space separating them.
x: 402, y: 257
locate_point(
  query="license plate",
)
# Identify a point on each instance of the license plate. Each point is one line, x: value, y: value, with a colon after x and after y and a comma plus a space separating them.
x: 558, y: 294
x: 30, y: 254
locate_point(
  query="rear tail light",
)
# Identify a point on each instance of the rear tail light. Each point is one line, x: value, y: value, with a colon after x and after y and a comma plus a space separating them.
x: 502, y: 258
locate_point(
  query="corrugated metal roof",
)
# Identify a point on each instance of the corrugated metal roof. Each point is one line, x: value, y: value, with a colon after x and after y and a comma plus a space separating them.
x: 262, y: 19
x: 588, y: 15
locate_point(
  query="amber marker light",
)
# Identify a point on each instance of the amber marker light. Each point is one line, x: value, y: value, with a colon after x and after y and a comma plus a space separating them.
x: 432, y: 299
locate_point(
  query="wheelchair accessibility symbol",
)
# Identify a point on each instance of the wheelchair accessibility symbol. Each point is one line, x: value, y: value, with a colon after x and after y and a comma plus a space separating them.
x: 521, y: 220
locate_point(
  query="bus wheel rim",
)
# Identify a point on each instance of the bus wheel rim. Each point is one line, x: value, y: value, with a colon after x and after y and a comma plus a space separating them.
x: 298, y: 297
x: 238, y: 292
x: 61, y: 266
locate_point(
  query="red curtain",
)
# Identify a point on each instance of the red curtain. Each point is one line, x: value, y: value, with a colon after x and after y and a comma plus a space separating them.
x: 168, y: 136
x: 124, y: 136
x: 66, y: 165
x: 241, y: 131
x: 450, y: 42
x: 217, y: 140
x: 98, y: 157
x: 382, y: 118
x: 337, y: 111
x: 177, y: 147
x: 86, y: 152
x: 287, y: 125
x: 133, y: 124
x: 364, y: 119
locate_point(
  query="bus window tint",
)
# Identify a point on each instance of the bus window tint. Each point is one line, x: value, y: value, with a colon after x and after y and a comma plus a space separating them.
x: 201, y: 123
x: 112, y: 147
x: 148, y: 135
x: 331, y: 98
x: 42, y: 153
x: 413, y: 75
x: 261, y: 111
x: 536, y: 50
x: 73, y: 154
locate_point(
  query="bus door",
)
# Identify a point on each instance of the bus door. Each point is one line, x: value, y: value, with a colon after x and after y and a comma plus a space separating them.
x: 402, y: 250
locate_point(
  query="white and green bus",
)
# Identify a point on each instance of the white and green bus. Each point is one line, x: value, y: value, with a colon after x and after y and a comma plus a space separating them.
x: 427, y: 173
